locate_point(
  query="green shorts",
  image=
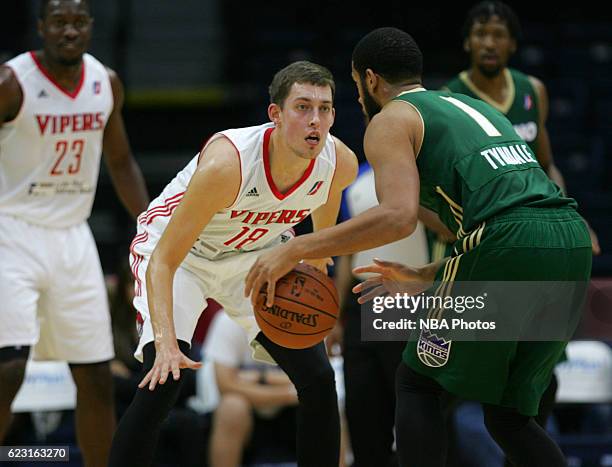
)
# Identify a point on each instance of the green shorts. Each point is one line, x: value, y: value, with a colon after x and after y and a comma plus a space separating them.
x: 522, y: 244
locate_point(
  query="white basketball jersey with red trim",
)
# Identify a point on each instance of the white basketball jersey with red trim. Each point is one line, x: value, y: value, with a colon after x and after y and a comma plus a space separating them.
x: 260, y: 213
x: 50, y: 153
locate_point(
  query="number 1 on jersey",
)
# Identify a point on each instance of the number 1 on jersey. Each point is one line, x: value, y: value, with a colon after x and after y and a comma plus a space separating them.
x: 479, y: 118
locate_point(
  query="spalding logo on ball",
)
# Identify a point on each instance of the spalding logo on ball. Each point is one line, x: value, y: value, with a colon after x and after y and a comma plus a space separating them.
x: 305, y: 308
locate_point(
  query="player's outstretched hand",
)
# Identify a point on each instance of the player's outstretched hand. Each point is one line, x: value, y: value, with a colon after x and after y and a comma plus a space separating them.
x: 390, y: 278
x: 168, y: 359
x: 269, y: 267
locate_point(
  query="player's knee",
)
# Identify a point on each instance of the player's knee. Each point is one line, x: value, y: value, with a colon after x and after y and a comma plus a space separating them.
x: 321, y: 385
x: 12, y: 373
x: 234, y: 413
x: 93, y: 381
x: 500, y: 421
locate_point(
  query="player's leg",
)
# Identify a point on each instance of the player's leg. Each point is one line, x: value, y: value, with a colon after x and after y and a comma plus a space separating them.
x: 547, y: 403
x: 231, y: 430
x: 95, y: 414
x: 525, y: 443
x: 12, y: 370
x: 419, y: 422
x: 77, y: 329
x: 136, y: 437
x: 21, y: 275
x: 318, y: 425
x: 369, y: 376
x: 141, y: 422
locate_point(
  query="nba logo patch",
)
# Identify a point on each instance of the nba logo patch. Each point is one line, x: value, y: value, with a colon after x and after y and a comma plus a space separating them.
x: 315, y: 188
x: 528, y: 102
x: 97, y: 87
x: 432, y: 350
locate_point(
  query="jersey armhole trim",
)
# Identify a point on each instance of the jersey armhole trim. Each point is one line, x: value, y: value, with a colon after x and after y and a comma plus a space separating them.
x: 418, y: 151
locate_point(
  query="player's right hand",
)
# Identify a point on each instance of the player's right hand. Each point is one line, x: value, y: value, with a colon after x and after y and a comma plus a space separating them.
x: 168, y: 359
x: 390, y: 278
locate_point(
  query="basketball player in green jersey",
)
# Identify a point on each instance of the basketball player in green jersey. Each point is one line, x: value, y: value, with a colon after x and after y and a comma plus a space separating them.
x: 461, y: 159
x: 490, y: 34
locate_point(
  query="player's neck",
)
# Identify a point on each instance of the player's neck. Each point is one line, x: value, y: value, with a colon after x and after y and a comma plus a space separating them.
x: 493, y: 86
x: 286, y: 167
x: 68, y: 76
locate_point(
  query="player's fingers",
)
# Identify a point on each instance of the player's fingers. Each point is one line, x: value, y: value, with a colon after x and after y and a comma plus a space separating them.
x: 248, y: 282
x: 154, y: 379
x: 388, y: 264
x: 146, y: 379
x: 330, y: 261
x: 270, y: 290
x: 377, y: 292
x: 188, y: 363
x: 370, y: 268
x: 370, y: 282
x: 163, y: 374
x: 255, y: 291
x: 176, y: 372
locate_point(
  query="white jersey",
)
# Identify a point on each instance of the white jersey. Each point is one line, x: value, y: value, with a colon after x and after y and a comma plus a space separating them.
x: 50, y: 153
x: 260, y: 213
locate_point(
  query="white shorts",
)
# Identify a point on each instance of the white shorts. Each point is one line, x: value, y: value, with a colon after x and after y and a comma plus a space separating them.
x: 52, y: 293
x: 196, y: 280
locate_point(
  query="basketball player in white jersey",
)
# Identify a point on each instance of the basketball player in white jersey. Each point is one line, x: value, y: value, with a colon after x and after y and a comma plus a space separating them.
x: 199, y: 238
x: 59, y: 109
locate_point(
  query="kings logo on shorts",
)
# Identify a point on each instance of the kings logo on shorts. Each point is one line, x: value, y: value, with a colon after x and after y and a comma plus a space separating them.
x: 432, y: 350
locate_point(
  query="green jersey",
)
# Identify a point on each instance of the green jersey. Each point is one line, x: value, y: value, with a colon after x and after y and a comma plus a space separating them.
x: 472, y: 164
x: 521, y: 107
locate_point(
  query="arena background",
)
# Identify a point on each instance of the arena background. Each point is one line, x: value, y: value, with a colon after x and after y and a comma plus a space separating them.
x: 192, y: 67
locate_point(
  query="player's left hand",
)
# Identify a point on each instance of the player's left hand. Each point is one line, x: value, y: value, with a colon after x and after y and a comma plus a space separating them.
x: 269, y: 268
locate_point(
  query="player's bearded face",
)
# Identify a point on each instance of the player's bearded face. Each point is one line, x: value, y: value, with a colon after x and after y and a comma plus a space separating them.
x: 369, y: 105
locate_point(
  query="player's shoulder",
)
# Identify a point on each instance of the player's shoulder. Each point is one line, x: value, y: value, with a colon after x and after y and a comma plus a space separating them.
x: 453, y: 84
x: 347, y: 165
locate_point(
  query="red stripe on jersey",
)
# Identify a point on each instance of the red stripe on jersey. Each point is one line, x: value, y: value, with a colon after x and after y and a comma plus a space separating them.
x: 164, y: 213
x: 160, y: 209
x: 72, y: 94
x: 137, y: 259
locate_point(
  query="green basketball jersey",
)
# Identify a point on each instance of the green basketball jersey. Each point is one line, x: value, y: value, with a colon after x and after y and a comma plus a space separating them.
x: 521, y: 106
x: 472, y: 164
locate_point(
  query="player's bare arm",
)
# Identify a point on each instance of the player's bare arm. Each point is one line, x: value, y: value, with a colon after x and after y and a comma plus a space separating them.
x: 327, y: 215
x: 544, y: 152
x: 214, y: 186
x: 124, y: 171
x: 11, y: 95
x: 391, y: 143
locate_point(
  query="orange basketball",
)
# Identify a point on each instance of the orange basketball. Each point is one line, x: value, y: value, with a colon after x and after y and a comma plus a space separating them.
x: 305, y: 308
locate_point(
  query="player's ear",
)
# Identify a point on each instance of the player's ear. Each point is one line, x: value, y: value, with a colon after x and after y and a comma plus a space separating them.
x: 274, y: 112
x: 371, y: 80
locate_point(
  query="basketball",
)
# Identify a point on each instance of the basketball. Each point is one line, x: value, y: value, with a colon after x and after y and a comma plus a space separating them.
x: 305, y: 308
